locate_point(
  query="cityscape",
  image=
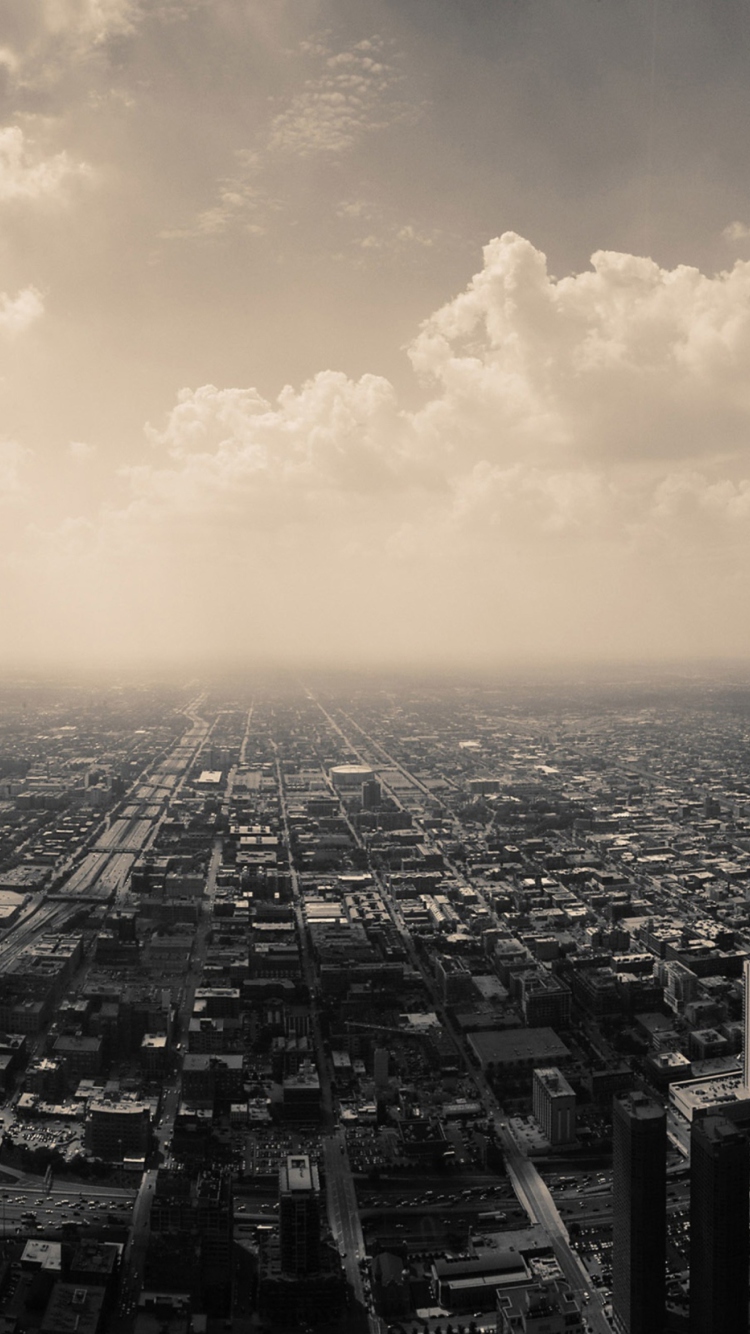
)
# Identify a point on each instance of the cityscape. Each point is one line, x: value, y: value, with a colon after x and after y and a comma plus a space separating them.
x: 374, y: 667
x: 395, y: 1004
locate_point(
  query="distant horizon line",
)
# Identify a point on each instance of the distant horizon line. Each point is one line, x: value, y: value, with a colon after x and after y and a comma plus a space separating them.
x: 529, y: 668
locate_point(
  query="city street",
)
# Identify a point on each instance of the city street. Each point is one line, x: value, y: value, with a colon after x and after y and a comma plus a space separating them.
x: 343, y: 1216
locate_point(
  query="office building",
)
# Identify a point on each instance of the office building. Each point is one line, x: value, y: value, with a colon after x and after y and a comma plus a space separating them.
x: 214, y: 1216
x: 299, y: 1216
x: 554, y: 1105
x: 719, y: 1226
x: 746, y: 1023
x: 639, y: 1214
x: 380, y: 1064
x: 118, y: 1129
x: 543, y: 1308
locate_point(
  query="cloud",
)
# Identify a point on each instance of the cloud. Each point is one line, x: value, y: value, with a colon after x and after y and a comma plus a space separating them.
x: 13, y: 458
x: 351, y: 95
x: 55, y: 39
x: 736, y: 231
x: 19, y: 312
x: 56, y: 45
x: 625, y: 362
x: 334, y: 438
x: 354, y: 94
x: 91, y: 22
x: 556, y: 411
x: 81, y: 451
x: 576, y: 472
x: 25, y: 175
x: 243, y: 203
x: 373, y: 232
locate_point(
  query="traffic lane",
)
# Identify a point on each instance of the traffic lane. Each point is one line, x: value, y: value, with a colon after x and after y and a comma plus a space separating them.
x: 343, y: 1214
x: 39, y: 1202
x: 542, y: 1209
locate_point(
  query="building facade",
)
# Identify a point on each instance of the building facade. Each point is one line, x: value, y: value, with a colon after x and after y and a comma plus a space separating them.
x: 719, y: 1227
x: 299, y: 1216
x: 639, y: 1214
x: 554, y: 1104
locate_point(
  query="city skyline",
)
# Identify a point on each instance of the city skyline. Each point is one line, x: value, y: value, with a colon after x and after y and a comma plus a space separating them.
x: 367, y: 332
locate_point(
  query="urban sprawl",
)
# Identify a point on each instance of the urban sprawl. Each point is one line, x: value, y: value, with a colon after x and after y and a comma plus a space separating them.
x: 386, y: 1005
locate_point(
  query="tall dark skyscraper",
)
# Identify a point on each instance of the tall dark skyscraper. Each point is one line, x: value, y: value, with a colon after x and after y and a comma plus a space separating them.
x: 719, y: 1227
x: 746, y: 1025
x: 299, y: 1216
x: 639, y: 1221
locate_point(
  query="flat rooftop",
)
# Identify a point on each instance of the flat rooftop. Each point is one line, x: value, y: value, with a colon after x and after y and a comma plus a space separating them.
x: 519, y: 1046
x: 554, y: 1081
x: 697, y: 1095
x: 298, y: 1175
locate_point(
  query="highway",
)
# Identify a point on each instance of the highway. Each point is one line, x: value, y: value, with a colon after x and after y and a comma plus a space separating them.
x: 74, y: 1202
x: 343, y: 1216
x: 533, y: 1193
x: 105, y: 867
x: 49, y: 916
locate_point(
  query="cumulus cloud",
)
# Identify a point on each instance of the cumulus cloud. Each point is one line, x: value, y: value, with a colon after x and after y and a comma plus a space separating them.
x: 333, y: 440
x: 25, y: 174
x: 578, y: 466
x: 624, y: 362
x: 736, y: 231
x: 17, y: 313
x: 576, y: 395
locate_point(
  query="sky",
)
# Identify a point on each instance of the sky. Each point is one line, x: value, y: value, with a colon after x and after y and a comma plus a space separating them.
x: 374, y: 331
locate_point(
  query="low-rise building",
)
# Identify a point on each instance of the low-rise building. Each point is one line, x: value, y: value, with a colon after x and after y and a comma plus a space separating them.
x: 118, y: 1129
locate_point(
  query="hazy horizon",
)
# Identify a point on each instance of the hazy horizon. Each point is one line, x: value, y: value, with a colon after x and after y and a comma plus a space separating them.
x: 369, y: 334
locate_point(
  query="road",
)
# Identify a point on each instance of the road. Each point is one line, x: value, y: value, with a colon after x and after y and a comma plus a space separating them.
x: 73, y: 1202
x: 171, y: 1092
x: 134, y: 1259
x: 532, y: 1192
x: 343, y: 1216
x: 343, y: 1213
x: 308, y: 966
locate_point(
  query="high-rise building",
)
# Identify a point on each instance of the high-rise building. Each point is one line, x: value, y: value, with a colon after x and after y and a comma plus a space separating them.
x: 299, y: 1216
x: 191, y: 1236
x: 746, y: 1024
x: 719, y: 1226
x: 214, y: 1219
x: 554, y: 1105
x: 380, y: 1067
x: 639, y: 1214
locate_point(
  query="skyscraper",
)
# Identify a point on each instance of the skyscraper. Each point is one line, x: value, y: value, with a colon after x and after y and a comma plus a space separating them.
x: 299, y: 1216
x: 746, y: 1025
x: 639, y: 1214
x: 719, y: 1226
